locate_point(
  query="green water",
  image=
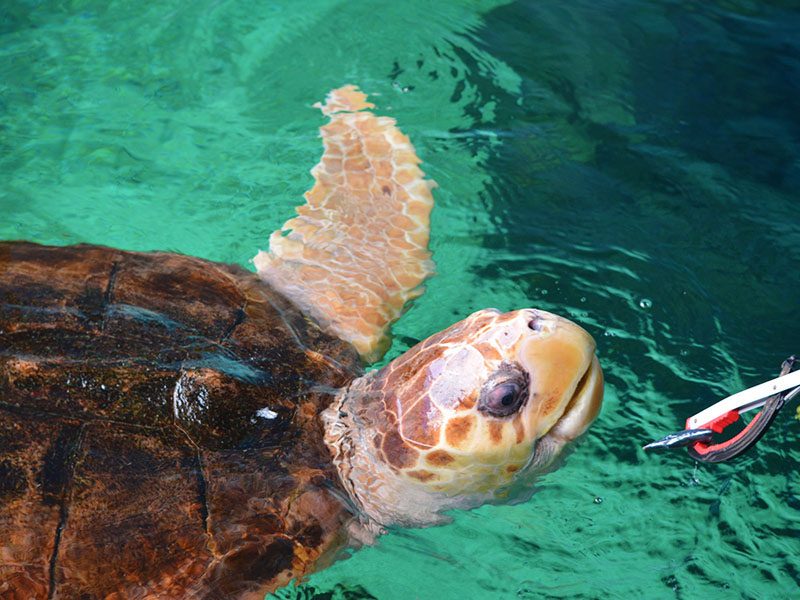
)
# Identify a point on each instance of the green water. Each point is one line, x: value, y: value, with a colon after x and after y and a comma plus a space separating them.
x: 633, y: 165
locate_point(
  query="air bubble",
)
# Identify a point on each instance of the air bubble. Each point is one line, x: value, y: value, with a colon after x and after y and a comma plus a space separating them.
x: 598, y: 500
x: 646, y: 303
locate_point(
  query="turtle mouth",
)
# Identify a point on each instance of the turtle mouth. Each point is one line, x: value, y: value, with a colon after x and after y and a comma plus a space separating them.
x: 579, y: 412
x: 583, y: 406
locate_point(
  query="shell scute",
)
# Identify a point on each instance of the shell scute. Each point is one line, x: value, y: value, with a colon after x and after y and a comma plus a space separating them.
x: 159, y: 409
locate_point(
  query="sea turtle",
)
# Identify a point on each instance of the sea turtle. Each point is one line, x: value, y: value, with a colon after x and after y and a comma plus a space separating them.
x: 173, y: 427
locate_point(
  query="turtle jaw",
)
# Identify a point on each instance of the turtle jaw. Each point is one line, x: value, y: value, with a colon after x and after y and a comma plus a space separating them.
x: 563, y: 360
x: 583, y: 407
x: 559, y: 357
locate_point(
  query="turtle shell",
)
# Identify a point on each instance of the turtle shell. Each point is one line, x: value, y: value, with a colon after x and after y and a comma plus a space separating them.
x: 159, y: 431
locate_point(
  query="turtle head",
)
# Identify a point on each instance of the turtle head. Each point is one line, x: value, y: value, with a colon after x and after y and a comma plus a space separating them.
x: 467, y: 415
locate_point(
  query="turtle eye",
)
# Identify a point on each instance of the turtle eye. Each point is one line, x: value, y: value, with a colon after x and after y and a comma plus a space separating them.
x: 504, y: 393
x: 503, y: 400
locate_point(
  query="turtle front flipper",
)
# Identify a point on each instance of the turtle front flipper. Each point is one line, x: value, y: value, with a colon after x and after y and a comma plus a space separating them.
x: 357, y: 251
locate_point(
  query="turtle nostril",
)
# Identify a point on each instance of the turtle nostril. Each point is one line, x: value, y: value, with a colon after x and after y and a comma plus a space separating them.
x: 534, y: 324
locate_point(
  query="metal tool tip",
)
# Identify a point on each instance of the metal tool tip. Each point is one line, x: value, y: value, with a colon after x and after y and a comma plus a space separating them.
x: 680, y: 439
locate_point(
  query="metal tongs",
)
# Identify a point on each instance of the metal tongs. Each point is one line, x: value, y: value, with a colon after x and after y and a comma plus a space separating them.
x: 700, y: 428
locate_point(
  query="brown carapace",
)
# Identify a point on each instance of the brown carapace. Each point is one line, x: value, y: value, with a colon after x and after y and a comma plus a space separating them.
x: 158, y: 428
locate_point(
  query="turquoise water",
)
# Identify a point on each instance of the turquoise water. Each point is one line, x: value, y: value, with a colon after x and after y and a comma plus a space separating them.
x: 632, y: 165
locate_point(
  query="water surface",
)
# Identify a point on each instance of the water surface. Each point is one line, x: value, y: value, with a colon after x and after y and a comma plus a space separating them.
x: 632, y: 165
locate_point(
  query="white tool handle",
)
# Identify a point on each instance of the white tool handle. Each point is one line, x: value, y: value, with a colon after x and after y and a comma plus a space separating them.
x: 745, y: 400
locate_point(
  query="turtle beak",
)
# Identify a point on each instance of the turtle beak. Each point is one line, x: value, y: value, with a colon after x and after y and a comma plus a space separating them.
x: 566, y: 378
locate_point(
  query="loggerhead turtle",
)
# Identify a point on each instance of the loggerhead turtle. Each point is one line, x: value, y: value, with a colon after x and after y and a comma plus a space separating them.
x: 173, y: 427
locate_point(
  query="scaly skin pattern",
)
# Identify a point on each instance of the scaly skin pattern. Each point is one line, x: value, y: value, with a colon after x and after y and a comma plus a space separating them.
x: 416, y: 437
x: 357, y: 251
